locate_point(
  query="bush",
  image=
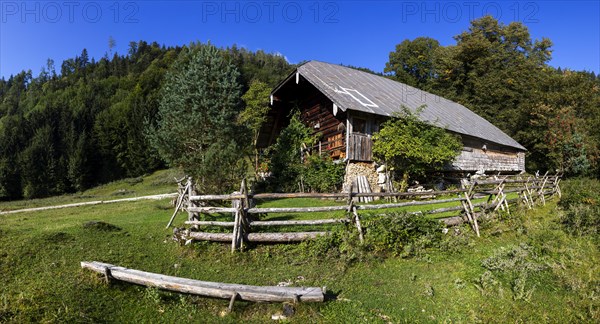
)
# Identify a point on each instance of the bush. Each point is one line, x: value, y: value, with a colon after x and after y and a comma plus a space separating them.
x: 580, y: 191
x: 517, y: 265
x: 285, y: 160
x: 401, y: 234
x: 582, y: 219
x: 321, y: 174
x: 581, y: 203
x: 521, y: 258
x: 393, y: 234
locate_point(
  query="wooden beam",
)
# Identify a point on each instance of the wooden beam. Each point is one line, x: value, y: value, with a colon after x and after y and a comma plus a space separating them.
x: 295, y: 209
x: 299, y: 222
x: 211, y: 210
x: 179, y: 203
x: 207, y: 288
x: 410, y: 203
x: 211, y: 223
x: 283, y: 237
x: 216, y: 197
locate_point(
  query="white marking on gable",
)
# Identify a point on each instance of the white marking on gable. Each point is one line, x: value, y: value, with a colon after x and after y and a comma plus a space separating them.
x: 356, y: 95
x: 297, y: 78
x: 335, y: 109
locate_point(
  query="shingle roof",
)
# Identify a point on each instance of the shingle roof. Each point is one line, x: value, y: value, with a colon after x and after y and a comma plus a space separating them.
x: 352, y: 89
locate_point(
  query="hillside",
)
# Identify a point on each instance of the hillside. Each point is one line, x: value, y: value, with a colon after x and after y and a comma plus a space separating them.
x: 525, y: 267
x: 83, y: 123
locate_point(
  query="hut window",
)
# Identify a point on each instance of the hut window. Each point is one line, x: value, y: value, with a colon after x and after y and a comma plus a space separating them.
x: 359, y: 125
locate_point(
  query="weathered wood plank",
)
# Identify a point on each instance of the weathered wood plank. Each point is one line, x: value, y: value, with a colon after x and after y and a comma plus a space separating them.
x: 211, y: 223
x: 211, y: 210
x: 324, y: 195
x: 407, y: 194
x: 410, y: 203
x: 295, y: 209
x: 90, y: 203
x: 205, y: 236
x: 179, y: 204
x: 299, y: 222
x: 216, y: 197
x: 283, y: 237
x: 207, y: 288
x: 297, y: 195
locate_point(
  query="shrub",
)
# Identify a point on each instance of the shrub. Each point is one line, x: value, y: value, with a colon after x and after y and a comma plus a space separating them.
x: 581, y: 203
x: 393, y: 234
x: 342, y: 244
x: 517, y: 265
x: 582, y: 219
x: 401, y: 234
x: 580, y: 191
x: 285, y: 160
x: 519, y: 258
x: 409, y: 144
x: 321, y: 174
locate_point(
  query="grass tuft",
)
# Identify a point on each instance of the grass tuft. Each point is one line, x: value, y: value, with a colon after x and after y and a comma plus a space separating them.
x: 101, y: 226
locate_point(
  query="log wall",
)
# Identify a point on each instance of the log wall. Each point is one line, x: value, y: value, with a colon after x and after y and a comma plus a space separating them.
x: 316, y: 111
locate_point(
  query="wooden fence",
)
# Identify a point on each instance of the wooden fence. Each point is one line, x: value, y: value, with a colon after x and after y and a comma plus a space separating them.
x: 473, y: 200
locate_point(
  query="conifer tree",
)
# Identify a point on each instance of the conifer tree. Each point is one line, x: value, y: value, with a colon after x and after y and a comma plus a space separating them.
x: 196, y: 127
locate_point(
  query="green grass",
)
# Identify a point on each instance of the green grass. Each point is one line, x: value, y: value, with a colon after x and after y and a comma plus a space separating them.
x: 42, y: 281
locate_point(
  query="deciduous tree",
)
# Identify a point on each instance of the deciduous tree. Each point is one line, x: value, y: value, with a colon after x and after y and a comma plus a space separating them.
x: 412, y: 146
x: 255, y: 113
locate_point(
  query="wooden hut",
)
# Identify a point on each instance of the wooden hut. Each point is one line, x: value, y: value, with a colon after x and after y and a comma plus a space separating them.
x: 346, y: 106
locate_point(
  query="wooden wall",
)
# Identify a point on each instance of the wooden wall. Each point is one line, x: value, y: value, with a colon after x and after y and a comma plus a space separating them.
x: 316, y: 112
x: 360, y: 147
x: 481, y: 155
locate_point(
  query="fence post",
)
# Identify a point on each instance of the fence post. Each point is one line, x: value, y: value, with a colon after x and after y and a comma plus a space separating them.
x: 235, y: 242
x: 501, y: 197
x: 469, y: 209
x: 180, y: 200
x: 358, y: 226
x: 352, y: 211
x: 541, y: 190
x: 191, y: 215
x: 244, y: 219
x: 557, y: 186
x: 528, y: 192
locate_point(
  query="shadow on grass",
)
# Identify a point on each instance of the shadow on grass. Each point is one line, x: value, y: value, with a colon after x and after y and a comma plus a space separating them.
x: 331, y: 295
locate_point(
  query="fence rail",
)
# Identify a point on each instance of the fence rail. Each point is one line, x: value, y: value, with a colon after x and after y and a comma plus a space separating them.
x: 531, y: 191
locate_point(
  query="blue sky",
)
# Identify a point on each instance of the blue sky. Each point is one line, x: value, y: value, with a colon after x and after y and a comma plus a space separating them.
x: 357, y: 33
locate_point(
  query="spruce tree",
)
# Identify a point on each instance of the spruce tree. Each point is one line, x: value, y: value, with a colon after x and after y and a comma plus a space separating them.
x: 196, y: 127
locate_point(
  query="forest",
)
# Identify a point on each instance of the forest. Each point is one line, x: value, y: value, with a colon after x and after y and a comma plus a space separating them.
x: 88, y: 122
x: 82, y: 124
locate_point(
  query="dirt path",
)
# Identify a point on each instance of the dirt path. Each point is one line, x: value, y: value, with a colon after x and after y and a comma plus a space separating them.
x: 88, y: 203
